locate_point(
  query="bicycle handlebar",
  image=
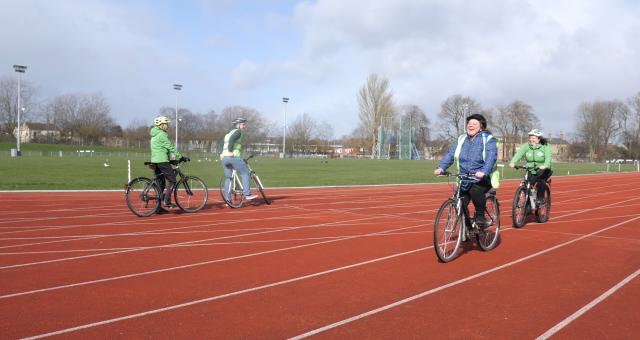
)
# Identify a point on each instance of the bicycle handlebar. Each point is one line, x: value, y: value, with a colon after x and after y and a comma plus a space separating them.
x: 524, y: 167
x: 461, y: 176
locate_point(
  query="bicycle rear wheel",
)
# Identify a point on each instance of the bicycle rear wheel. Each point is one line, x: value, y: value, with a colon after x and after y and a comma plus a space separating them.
x: 488, y: 237
x: 258, y: 184
x: 520, y: 208
x: 231, y: 191
x: 191, y: 194
x: 143, y: 196
x: 447, y: 231
x: 544, y: 209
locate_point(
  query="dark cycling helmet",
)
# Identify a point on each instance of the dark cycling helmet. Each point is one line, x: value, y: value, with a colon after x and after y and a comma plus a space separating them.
x: 480, y: 118
x: 239, y: 120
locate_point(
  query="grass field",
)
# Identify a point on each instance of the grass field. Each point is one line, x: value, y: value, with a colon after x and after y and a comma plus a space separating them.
x: 45, y: 167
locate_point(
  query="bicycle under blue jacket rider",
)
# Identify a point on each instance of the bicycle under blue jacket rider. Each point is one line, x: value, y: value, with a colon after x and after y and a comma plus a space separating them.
x: 231, y: 155
x: 478, y: 156
x: 161, y: 150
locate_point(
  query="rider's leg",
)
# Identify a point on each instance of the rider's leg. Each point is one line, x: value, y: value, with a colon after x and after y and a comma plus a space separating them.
x: 227, y: 167
x: 170, y: 176
x: 242, y: 169
x: 542, y: 183
x: 477, y: 193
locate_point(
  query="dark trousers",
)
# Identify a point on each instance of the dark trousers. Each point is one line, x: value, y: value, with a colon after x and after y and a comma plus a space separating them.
x: 169, y: 175
x: 540, y: 180
x: 476, y: 194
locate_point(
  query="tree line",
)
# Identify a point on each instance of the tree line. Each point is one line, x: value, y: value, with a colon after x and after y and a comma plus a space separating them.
x: 86, y: 118
x: 603, y: 130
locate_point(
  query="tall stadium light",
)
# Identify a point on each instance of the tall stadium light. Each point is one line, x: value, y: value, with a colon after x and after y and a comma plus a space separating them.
x: 285, y: 100
x: 177, y: 87
x: 20, y: 69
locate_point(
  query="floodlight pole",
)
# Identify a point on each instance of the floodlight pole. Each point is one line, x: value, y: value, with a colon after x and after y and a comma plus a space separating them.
x: 285, y: 100
x: 20, y: 69
x: 177, y: 87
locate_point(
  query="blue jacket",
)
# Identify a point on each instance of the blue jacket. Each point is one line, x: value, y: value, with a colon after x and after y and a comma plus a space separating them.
x: 471, y: 157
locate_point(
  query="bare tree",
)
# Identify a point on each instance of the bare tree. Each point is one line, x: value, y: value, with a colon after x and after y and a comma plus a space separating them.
x: 258, y: 128
x: 420, y: 130
x: 375, y: 101
x: 453, y: 113
x: 9, y: 103
x: 630, y: 124
x: 513, y: 122
x: 302, y: 131
x: 85, y: 118
x: 598, y: 124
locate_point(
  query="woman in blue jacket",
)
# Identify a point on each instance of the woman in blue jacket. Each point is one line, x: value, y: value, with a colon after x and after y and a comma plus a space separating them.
x: 477, y: 155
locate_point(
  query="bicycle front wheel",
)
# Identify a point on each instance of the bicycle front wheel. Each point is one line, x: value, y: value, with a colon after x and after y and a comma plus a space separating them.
x: 231, y: 191
x: 191, y: 194
x: 447, y: 231
x: 488, y: 237
x: 143, y: 196
x: 520, y: 208
x: 258, y: 184
x: 544, y: 208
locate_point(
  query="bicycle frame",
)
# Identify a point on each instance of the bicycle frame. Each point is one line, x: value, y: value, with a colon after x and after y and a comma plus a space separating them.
x: 463, y: 210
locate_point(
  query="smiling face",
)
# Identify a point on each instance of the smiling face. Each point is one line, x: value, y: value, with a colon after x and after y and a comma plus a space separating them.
x: 473, y: 127
x: 534, y: 139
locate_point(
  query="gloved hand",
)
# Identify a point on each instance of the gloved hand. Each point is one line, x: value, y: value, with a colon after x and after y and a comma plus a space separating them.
x: 184, y: 159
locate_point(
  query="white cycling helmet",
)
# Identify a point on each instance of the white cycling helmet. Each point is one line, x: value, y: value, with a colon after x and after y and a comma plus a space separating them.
x: 161, y: 120
x: 536, y: 132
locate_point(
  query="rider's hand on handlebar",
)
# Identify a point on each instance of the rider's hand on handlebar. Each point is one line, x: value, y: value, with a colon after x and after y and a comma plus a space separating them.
x: 479, y: 174
x: 511, y: 165
x: 542, y: 167
x: 438, y: 172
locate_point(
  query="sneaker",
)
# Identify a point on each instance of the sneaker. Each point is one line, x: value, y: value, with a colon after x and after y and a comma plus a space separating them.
x: 481, y: 222
x: 251, y: 197
x: 168, y: 204
x: 161, y: 210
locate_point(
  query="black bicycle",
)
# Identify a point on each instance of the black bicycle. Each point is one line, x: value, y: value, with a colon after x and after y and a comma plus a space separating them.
x: 232, y: 191
x: 525, y: 200
x: 454, y: 225
x: 144, y: 195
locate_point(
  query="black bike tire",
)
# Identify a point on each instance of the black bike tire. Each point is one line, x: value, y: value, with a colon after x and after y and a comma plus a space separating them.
x: 495, y: 226
x: 519, y: 223
x: 226, y: 201
x: 447, y: 205
x: 181, y: 185
x: 130, y: 199
x: 258, y: 184
x: 540, y: 217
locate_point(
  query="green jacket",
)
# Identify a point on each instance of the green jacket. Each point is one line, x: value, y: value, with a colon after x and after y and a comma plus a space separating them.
x: 161, y: 146
x: 535, y: 155
x: 232, y: 144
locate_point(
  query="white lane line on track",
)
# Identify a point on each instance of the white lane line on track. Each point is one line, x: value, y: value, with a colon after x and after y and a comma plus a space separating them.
x: 452, y: 284
x: 114, y: 278
x: 228, y: 243
x: 337, y: 223
x: 300, y: 278
x: 553, y: 330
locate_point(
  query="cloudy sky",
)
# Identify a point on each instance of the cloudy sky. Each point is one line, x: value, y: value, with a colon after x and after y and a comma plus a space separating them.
x: 552, y: 54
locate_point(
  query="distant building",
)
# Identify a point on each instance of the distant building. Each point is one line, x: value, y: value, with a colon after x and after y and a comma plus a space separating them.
x: 37, y: 132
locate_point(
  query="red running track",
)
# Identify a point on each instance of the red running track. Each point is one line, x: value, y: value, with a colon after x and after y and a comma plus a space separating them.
x: 329, y: 263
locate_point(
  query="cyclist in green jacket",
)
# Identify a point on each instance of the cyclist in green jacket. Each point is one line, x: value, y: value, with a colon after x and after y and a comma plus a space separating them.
x: 161, y: 148
x: 538, y: 155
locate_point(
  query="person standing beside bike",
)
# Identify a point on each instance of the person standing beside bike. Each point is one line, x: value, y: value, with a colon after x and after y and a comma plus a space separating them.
x: 232, y: 152
x: 537, y: 153
x: 476, y: 155
x: 161, y: 148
